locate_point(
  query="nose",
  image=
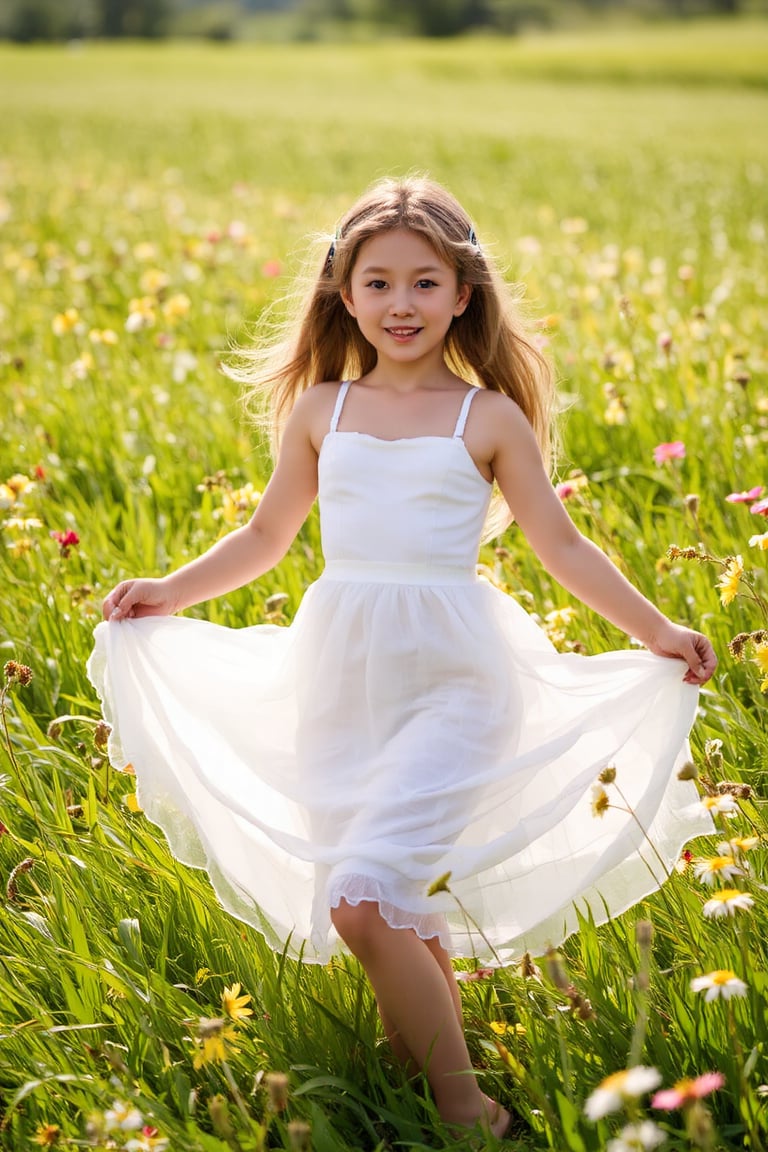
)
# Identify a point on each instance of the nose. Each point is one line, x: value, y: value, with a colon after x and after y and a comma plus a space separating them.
x: 401, y: 303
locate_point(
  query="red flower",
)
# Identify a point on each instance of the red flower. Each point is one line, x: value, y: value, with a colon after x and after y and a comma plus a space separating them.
x: 39, y: 472
x: 65, y: 541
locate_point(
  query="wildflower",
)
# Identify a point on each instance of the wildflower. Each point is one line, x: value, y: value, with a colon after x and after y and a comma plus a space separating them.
x: 502, y: 1028
x: 19, y: 484
x: 739, y: 844
x: 66, y: 541
x: 608, y: 774
x: 46, y: 1135
x: 600, y: 800
x: 761, y: 508
x: 234, y: 1004
x: 686, y: 1091
x: 4, y: 830
x: 213, y: 1036
x: 721, y: 983
x: 688, y: 771
x: 684, y: 861
x: 723, y: 805
x: 7, y: 496
x: 664, y: 341
x: 141, y: 313
x: 16, y: 673
x: 64, y: 322
x: 527, y: 969
x: 176, y: 307
x: 611, y: 1093
x: 271, y: 268
x: 745, y: 497
x: 20, y: 546
x: 616, y: 411
x: 22, y: 524
x: 571, y: 485
x: 237, y: 502
x: 560, y: 617
x: 123, y: 1116
x: 439, y: 885
x: 637, y: 1138
x: 101, y: 734
x: 149, y: 1140
x: 760, y: 541
x: 760, y: 657
x: 153, y: 281
x: 672, y: 450
x: 277, y: 1090
x: 103, y: 336
x: 727, y: 902
x: 717, y: 868
x: 729, y: 581
x: 475, y: 974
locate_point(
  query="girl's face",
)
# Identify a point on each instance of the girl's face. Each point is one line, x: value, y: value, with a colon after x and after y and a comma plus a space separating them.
x: 404, y: 296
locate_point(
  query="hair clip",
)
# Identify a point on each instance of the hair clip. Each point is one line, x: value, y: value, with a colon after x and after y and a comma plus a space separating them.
x: 331, y: 251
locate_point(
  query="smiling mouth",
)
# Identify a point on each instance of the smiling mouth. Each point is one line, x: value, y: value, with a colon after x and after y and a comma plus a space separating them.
x: 402, y: 332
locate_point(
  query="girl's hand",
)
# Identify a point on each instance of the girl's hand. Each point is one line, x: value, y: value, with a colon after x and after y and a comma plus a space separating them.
x: 134, y: 598
x: 685, y: 644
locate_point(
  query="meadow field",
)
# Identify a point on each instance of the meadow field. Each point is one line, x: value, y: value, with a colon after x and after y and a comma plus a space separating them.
x: 154, y: 200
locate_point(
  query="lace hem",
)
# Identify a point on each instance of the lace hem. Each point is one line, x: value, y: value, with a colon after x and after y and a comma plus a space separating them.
x: 356, y: 889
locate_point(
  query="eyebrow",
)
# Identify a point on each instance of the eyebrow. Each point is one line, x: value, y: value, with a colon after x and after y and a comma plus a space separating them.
x: 371, y: 268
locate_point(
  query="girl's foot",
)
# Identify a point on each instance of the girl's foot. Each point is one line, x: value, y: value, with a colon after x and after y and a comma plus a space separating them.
x: 496, y: 1119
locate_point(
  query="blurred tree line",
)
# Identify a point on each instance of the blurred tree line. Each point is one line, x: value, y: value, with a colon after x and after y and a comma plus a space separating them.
x: 26, y: 21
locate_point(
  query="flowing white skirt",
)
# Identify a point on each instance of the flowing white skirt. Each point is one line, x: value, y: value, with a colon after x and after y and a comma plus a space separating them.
x: 392, y: 734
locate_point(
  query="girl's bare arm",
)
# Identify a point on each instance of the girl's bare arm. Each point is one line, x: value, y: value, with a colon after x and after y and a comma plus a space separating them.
x: 573, y: 560
x: 244, y: 554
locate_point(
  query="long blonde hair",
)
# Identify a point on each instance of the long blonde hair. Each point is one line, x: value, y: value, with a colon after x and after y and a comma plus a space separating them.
x: 487, y: 345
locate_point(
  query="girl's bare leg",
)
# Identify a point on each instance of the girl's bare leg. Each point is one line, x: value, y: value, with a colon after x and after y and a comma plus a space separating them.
x: 420, y: 1009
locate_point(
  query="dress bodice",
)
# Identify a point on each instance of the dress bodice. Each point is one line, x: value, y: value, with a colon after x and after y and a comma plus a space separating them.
x: 419, y: 501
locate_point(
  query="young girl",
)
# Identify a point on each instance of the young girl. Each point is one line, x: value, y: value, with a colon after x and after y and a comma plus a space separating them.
x: 413, y: 721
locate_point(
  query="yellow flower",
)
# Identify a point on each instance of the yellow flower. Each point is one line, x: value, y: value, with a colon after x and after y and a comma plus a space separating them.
x: 47, y: 1135
x: 729, y: 581
x: 102, y: 336
x: 7, y: 496
x: 175, y: 307
x: 234, y: 1004
x: 65, y: 322
x: 21, y: 546
x: 760, y: 657
x: 213, y: 1038
x: 600, y: 800
x: 144, y: 252
x: 760, y: 541
x: 501, y: 1028
x: 154, y: 280
x: 616, y: 412
x: 739, y: 844
x: 439, y: 885
x: 19, y: 483
x: 238, y: 502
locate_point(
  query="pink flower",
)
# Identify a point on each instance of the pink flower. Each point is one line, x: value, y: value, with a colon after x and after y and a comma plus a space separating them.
x: 745, y: 497
x: 65, y: 541
x: 686, y: 1091
x: 674, y: 450
x: 271, y: 268
x: 761, y: 508
x: 565, y: 490
x: 478, y: 974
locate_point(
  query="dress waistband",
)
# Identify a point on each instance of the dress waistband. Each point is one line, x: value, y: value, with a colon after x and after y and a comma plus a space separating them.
x: 380, y: 572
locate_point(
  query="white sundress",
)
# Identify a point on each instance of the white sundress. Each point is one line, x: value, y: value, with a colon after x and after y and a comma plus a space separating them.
x: 412, y: 721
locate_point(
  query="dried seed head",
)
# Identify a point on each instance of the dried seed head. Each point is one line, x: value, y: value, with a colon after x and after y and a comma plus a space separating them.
x: 688, y: 771
x: 299, y: 1136
x: 277, y: 1090
x: 556, y: 970
x: 691, y: 502
x: 644, y: 933
x: 218, y: 1110
x: 53, y: 731
x: 734, y: 788
x: 608, y: 774
x: 12, y: 887
x: 101, y: 735
x: 16, y: 673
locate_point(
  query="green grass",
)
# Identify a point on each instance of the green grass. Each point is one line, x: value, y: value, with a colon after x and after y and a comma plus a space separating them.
x: 624, y: 181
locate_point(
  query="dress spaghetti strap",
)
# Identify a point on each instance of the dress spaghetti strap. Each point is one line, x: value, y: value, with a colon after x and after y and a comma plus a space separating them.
x: 340, y: 396
x: 461, y: 423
